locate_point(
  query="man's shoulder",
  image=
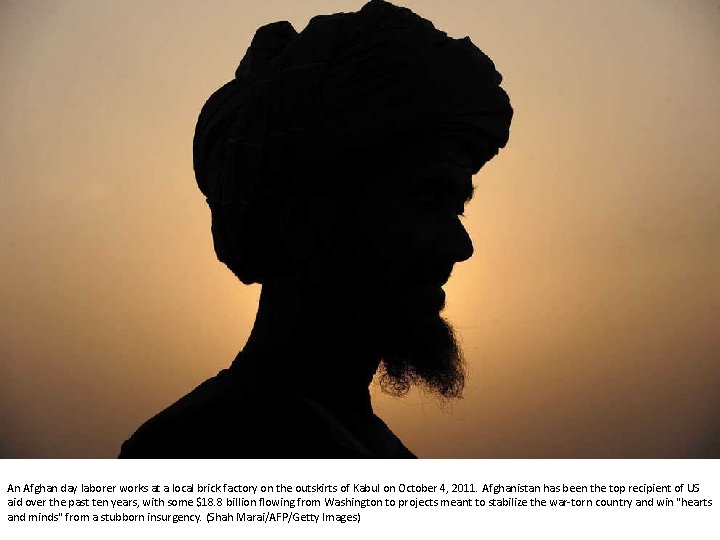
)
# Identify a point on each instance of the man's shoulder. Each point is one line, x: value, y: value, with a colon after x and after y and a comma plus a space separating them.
x: 223, y: 417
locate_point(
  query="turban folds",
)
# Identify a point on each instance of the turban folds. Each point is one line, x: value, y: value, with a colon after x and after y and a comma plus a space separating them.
x: 347, y: 83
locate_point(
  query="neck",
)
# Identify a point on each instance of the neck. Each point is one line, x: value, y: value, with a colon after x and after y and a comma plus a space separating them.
x: 309, y: 340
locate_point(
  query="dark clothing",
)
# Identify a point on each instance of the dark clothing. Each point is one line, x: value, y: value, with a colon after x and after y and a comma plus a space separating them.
x: 231, y: 416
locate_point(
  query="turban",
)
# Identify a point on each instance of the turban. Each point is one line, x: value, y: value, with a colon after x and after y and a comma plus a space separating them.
x: 346, y: 84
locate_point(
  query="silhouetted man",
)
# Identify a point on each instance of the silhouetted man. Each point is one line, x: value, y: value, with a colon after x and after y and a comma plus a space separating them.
x: 336, y: 165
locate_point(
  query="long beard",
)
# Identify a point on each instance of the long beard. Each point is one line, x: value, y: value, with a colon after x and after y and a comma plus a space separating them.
x: 422, y: 351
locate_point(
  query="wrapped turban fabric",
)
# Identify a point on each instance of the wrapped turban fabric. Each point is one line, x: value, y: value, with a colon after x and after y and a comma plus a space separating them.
x: 338, y: 94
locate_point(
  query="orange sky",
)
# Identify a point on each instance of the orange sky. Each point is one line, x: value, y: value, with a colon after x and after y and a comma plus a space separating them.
x: 588, y: 313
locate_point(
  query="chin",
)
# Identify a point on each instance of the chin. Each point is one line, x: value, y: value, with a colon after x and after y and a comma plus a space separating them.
x: 423, y: 302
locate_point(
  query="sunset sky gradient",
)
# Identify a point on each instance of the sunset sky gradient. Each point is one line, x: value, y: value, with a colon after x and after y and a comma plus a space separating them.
x: 588, y: 314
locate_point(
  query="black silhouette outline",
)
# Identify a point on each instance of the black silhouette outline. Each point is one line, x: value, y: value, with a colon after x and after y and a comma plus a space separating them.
x: 336, y: 165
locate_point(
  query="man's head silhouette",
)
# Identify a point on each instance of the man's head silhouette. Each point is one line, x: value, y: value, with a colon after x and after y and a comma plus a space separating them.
x: 336, y: 165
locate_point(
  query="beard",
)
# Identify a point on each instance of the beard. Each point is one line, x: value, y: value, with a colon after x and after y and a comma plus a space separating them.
x: 421, y: 349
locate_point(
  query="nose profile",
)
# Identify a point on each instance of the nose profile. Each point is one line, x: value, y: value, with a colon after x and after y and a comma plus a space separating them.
x: 460, y: 245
